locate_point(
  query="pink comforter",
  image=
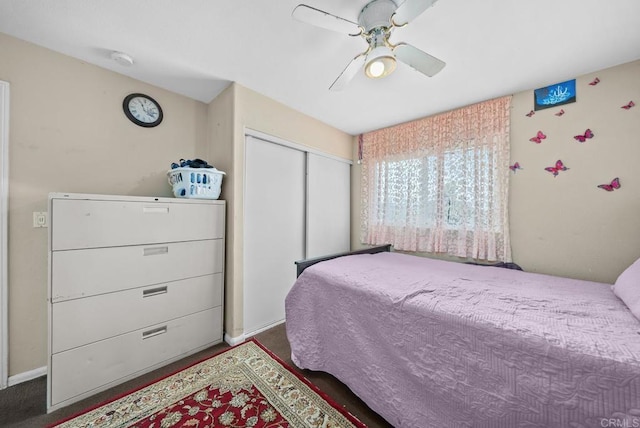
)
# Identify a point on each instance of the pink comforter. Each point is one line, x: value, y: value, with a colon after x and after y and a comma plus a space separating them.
x: 427, y: 343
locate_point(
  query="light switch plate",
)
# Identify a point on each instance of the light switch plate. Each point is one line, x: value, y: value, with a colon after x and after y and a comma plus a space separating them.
x: 40, y: 219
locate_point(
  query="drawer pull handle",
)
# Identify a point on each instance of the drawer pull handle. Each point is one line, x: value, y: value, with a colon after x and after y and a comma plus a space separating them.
x: 155, y: 210
x: 154, y: 291
x: 155, y: 251
x: 155, y: 332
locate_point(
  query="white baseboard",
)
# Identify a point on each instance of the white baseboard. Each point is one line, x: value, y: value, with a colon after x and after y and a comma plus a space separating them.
x: 239, y: 339
x: 233, y: 340
x: 42, y: 371
x: 260, y: 330
x: 26, y: 376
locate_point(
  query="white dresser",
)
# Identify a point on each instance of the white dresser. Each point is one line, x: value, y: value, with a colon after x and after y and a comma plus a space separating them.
x: 134, y: 283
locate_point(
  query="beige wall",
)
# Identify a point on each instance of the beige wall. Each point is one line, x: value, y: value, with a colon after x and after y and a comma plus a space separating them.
x: 566, y: 226
x: 221, y: 127
x: 68, y: 133
x: 257, y: 112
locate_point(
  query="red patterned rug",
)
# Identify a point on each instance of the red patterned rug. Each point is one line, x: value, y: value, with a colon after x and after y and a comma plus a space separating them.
x: 244, y: 386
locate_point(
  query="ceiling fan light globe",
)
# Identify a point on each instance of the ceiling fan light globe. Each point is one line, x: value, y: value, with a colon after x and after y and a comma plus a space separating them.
x: 380, y: 67
x: 376, y: 68
x: 380, y: 63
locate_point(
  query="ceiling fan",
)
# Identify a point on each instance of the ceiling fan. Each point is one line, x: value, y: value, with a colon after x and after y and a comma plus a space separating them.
x: 376, y: 21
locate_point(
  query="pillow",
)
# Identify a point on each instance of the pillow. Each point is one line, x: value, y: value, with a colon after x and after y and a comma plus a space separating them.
x: 627, y: 288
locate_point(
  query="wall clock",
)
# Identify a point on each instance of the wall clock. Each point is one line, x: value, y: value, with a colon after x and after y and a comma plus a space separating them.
x: 142, y: 110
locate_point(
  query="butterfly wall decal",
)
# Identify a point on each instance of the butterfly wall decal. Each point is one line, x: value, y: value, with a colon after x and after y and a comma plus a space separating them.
x: 515, y: 167
x: 587, y: 134
x: 531, y: 113
x: 594, y: 82
x: 615, y: 184
x: 538, y: 138
x: 628, y: 106
x: 560, y: 113
x: 557, y: 168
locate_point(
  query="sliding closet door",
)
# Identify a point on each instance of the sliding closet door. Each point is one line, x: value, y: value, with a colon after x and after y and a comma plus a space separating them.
x: 328, y: 202
x: 274, y: 229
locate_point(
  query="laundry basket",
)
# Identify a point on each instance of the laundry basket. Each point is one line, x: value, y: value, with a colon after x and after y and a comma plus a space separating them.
x: 195, y: 183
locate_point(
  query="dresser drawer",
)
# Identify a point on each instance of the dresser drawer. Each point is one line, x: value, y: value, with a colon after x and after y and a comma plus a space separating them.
x: 104, y: 223
x: 87, y: 369
x: 81, y: 321
x: 82, y: 273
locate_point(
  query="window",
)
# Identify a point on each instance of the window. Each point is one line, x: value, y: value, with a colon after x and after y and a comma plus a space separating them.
x: 427, y: 189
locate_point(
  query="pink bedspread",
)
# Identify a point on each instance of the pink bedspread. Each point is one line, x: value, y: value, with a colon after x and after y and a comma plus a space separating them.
x: 427, y: 343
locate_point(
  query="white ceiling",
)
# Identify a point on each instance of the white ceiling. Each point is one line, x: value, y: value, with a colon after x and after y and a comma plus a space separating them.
x: 196, y: 47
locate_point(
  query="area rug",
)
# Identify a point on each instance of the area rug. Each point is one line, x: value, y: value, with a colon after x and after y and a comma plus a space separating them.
x: 244, y: 386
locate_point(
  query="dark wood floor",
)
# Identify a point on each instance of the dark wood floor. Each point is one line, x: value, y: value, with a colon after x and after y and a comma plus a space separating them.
x: 24, y: 405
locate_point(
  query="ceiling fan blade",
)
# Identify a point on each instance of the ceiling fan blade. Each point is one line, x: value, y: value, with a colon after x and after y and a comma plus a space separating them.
x: 348, y: 73
x: 322, y: 19
x: 409, y: 10
x: 419, y: 60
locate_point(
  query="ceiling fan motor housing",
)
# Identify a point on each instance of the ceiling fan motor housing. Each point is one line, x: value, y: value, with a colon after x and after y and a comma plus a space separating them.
x: 377, y: 13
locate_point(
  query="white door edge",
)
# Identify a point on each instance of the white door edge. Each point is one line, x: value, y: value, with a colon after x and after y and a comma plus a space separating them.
x: 4, y: 198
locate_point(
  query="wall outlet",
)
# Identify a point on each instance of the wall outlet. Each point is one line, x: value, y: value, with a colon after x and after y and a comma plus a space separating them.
x: 40, y: 219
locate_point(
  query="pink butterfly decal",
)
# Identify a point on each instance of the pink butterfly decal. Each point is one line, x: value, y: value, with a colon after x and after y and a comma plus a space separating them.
x: 582, y: 138
x: 560, y: 113
x: 531, y: 113
x: 515, y: 167
x: 594, y: 82
x: 538, y: 138
x: 556, y: 169
x: 615, y: 184
x: 628, y: 106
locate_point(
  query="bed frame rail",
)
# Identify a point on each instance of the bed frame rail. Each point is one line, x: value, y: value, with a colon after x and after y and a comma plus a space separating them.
x: 301, y: 265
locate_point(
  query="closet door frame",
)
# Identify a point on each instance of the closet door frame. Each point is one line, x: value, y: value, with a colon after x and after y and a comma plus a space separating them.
x: 301, y: 147
x: 277, y: 140
x: 4, y: 192
x: 248, y: 132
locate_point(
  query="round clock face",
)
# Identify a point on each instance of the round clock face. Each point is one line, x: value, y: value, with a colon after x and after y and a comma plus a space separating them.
x: 142, y: 110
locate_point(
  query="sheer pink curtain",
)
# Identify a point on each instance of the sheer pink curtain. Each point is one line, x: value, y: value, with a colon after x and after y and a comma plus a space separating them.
x: 440, y: 184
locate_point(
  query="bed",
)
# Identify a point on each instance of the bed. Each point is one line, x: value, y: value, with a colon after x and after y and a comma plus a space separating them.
x: 428, y: 343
